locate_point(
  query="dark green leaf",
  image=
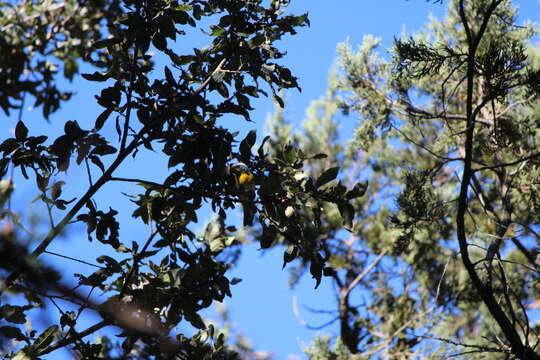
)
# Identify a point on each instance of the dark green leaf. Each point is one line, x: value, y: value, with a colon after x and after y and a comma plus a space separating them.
x: 279, y: 100
x: 182, y: 60
x: 266, y: 241
x: 42, y: 182
x: 169, y: 76
x: 159, y: 42
x: 327, y: 176
x: 21, y: 132
x: 104, y: 150
x: 220, y: 341
x: 100, y: 121
x: 111, y: 263
x: 183, y: 7
x: 256, y: 40
x: 180, y: 16
x: 100, y: 44
x: 97, y: 162
x: 12, y: 332
x: 218, y: 76
x: 357, y: 191
x: 260, y: 151
x: 4, y: 163
x: 247, y: 144
x: 82, y: 152
x: 290, y: 254
x: 347, y: 213
x: 13, y: 314
x: 221, y: 87
x: 56, y: 190
x: 290, y: 154
x: 319, y: 156
x: 329, y: 271
x: 110, y: 96
x: 97, y: 76
x: 235, y: 280
x: 195, y: 320
x: 73, y: 130
x: 217, y: 30
x: 9, y: 145
x: 36, y: 140
x: 45, y: 338
x: 316, y: 269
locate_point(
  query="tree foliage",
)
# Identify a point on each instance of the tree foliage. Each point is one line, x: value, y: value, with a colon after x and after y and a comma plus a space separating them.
x: 441, y: 259
x: 167, y: 277
x: 426, y: 222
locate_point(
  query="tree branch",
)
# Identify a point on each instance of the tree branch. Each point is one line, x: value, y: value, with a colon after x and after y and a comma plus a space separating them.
x: 348, y: 335
x: 364, y: 273
x: 70, y: 340
x: 484, y: 291
x: 207, y: 81
x: 511, y: 163
x: 55, y: 230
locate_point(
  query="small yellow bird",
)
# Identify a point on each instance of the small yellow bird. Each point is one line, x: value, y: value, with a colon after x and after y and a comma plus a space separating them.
x: 243, y: 178
x: 243, y: 181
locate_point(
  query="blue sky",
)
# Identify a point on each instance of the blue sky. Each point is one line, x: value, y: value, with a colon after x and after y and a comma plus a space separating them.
x: 261, y: 306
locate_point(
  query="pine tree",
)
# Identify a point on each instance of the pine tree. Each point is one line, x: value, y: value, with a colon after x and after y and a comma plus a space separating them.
x: 440, y: 259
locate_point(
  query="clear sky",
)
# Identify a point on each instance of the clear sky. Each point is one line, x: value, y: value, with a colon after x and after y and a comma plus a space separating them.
x: 261, y: 306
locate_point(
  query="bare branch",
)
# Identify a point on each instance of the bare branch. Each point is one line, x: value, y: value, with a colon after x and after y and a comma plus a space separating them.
x: 207, y: 81
x: 511, y: 163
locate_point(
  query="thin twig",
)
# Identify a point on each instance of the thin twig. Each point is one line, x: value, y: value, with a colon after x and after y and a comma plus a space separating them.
x: 446, y: 159
x: 136, y: 260
x: 88, y: 171
x: 364, y: 273
x: 73, y: 259
x: 130, y: 93
x: 501, y: 165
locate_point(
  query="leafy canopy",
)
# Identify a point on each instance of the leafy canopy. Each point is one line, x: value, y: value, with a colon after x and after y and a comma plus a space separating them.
x: 165, y: 278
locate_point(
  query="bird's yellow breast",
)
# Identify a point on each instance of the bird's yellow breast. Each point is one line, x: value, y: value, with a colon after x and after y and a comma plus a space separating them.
x: 245, y: 178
